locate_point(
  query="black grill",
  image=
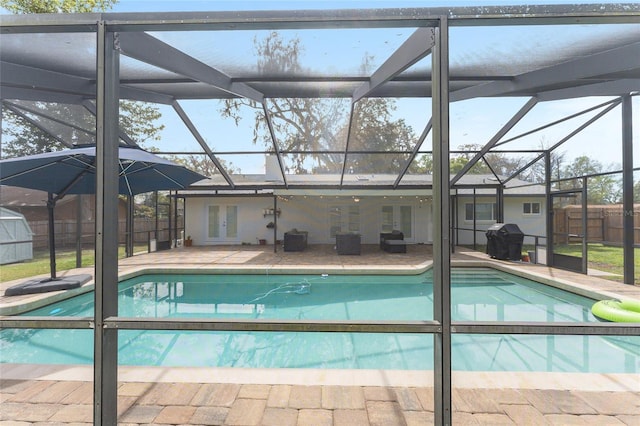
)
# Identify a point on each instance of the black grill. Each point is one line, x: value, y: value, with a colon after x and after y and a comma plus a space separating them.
x: 504, y: 241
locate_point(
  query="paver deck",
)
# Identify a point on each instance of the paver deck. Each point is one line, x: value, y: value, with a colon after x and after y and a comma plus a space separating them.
x: 63, y: 394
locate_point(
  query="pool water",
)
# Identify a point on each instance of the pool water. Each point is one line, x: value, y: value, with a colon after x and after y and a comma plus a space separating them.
x: 477, y: 295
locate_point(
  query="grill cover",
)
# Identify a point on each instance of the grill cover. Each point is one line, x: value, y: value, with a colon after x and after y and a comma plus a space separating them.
x: 504, y: 241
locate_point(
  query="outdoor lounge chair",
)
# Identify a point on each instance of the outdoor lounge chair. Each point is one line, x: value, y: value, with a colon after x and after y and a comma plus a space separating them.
x: 393, y: 242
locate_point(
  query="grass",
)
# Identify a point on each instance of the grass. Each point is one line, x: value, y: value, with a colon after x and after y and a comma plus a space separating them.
x: 65, y: 259
x: 599, y: 256
x: 604, y: 258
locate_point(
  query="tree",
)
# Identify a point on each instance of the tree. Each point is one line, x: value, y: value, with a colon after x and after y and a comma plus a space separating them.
x: 57, y: 6
x: 636, y: 192
x: 537, y: 173
x: 491, y: 162
x: 137, y: 119
x: 602, y: 189
x: 374, y: 129
x: 20, y: 137
x: 313, y: 126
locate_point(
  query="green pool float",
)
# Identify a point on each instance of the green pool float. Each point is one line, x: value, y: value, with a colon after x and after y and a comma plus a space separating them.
x: 617, y: 310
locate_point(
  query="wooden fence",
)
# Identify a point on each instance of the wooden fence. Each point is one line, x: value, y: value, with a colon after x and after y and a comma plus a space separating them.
x: 604, y: 224
x: 66, y: 232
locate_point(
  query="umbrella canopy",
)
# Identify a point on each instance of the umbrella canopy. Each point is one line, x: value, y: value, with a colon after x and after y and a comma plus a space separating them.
x: 73, y: 171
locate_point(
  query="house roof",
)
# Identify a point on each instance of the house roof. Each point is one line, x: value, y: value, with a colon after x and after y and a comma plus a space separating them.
x: 11, y: 196
x: 255, y: 184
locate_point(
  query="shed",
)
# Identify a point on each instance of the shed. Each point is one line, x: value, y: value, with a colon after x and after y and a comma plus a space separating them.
x: 16, y: 238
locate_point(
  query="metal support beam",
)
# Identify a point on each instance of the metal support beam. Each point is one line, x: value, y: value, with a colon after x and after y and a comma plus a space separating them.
x: 616, y: 60
x: 90, y: 106
x: 608, y: 88
x: 28, y: 94
x: 275, y: 223
x: 129, y: 226
x: 196, y: 134
x: 323, y: 326
x: 415, y: 151
x: 500, y: 203
x: 35, y: 124
x: 41, y: 113
x: 493, y: 172
x: 79, y: 231
x: 475, y: 220
x: 628, y: 233
x: 36, y: 84
x: 441, y: 228
x: 175, y: 219
x: 416, y: 47
x: 106, y: 271
x: 563, y: 140
x: 346, y: 145
x: 40, y: 79
x: 585, y: 227
x: 496, y: 138
x: 549, y: 207
x: 51, y: 203
x: 145, y: 48
x: 553, y: 123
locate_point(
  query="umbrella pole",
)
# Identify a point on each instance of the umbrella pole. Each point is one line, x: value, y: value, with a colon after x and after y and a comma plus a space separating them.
x: 52, y: 238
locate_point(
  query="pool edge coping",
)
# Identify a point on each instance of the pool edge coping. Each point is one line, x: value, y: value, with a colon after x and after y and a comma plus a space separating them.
x: 609, y: 382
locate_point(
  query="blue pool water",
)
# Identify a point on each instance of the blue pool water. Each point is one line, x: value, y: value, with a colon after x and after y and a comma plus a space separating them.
x: 477, y: 295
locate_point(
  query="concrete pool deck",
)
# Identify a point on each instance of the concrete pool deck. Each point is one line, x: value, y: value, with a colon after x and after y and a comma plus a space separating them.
x: 63, y: 394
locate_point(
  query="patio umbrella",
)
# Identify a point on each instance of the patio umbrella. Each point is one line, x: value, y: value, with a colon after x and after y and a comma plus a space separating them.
x: 73, y: 171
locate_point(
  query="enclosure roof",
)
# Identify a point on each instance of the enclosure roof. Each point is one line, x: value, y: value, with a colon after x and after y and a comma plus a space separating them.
x: 489, y: 65
x: 558, y: 52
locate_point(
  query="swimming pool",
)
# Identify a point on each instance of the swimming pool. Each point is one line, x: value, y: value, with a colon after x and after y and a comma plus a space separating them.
x: 477, y: 295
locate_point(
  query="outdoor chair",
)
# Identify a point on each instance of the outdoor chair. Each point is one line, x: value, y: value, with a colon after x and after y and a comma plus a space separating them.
x: 348, y: 243
x: 295, y: 240
x: 393, y: 235
x: 393, y: 242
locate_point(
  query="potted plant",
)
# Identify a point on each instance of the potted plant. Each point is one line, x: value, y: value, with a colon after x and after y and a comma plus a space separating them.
x: 188, y: 242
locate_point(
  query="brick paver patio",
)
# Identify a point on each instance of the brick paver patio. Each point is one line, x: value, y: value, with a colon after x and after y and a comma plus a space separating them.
x: 55, y: 402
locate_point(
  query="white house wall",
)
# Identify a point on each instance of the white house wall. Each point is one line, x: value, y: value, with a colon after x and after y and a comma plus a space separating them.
x: 251, y: 221
x: 309, y: 214
x: 529, y: 224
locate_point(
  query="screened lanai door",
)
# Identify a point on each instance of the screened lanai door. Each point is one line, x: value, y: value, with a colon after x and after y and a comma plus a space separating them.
x: 569, y: 244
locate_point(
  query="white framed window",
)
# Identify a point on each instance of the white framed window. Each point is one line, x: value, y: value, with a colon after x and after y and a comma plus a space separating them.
x: 531, y: 208
x: 484, y: 212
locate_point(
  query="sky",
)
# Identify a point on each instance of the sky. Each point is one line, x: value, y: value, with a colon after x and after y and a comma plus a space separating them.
x: 474, y: 121
x: 199, y: 5
x: 204, y: 5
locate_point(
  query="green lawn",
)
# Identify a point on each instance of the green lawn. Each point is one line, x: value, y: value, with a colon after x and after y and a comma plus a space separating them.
x: 600, y: 257
x: 40, y: 263
x: 603, y: 258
